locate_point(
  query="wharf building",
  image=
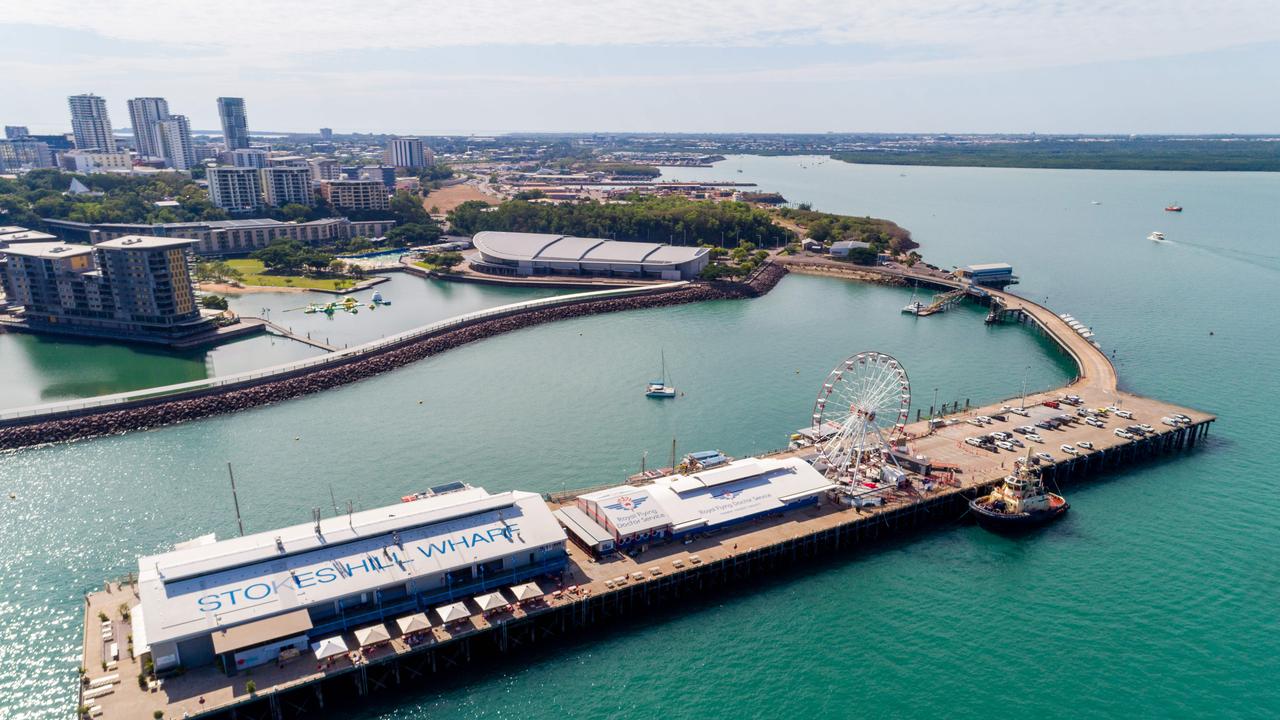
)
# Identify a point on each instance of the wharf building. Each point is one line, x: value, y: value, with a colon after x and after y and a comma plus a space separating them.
x: 132, y: 287
x: 678, y: 505
x: 214, y: 238
x: 235, y: 126
x: 989, y: 274
x: 90, y: 123
x: 241, y: 602
x: 356, y: 194
x: 522, y: 254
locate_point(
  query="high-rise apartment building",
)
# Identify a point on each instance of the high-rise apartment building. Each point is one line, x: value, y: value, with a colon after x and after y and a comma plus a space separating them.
x: 175, y: 142
x: 15, y: 132
x: 406, y: 152
x: 249, y: 157
x: 284, y: 185
x: 235, y: 127
x: 326, y: 134
x: 90, y: 123
x: 146, y: 113
x: 235, y: 189
x: 324, y: 169
x: 134, y: 287
x: 356, y: 194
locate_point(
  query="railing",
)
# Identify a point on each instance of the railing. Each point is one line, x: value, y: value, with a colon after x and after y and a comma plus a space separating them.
x: 339, y: 357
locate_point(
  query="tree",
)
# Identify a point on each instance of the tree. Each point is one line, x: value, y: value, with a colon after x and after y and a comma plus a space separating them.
x: 719, y: 272
x: 213, y: 302
x: 406, y: 208
x: 337, y: 267
x: 444, y: 260
x: 295, y: 212
x: 423, y: 233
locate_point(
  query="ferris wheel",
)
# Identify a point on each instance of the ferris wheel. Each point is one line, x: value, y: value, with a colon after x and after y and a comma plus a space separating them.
x: 861, y: 407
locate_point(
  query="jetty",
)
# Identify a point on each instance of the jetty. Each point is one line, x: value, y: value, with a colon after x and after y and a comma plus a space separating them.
x: 592, y: 590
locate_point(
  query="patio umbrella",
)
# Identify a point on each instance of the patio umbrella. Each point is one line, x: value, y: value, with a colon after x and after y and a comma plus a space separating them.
x: 527, y: 591
x: 329, y: 647
x: 372, y: 635
x: 489, y: 601
x: 413, y: 623
x: 453, y: 611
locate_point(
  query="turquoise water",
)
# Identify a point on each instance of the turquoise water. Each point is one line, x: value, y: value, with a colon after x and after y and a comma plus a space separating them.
x: 41, y: 369
x: 1154, y: 598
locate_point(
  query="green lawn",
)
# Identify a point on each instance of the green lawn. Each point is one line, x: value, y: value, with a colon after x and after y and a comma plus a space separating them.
x: 254, y: 273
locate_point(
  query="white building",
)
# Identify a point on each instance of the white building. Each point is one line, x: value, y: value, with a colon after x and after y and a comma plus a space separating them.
x: 90, y: 123
x: 407, y: 152
x: 239, y: 602
x: 93, y: 161
x: 175, y: 142
x: 284, y: 185
x: 512, y: 253
x: 679, y: 505
x: 145, y: 113
x: 249, y: 157
x: 235, y: 189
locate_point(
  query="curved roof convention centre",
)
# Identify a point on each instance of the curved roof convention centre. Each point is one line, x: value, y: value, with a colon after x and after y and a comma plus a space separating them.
x: 565, y: 252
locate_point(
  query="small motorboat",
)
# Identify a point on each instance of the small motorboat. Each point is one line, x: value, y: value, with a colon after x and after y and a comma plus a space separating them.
x: 1156, y: 236
x: 1173, y: 207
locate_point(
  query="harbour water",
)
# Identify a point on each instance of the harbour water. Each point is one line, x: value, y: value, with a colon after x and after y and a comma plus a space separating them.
x: 40, y: 369
x: 1153, y: 598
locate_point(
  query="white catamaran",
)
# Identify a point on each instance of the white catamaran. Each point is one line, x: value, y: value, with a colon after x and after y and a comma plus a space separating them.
x: 660, y: 388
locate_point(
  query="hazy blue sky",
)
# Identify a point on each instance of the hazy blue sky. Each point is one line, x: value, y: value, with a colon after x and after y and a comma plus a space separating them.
x: 487, y: 66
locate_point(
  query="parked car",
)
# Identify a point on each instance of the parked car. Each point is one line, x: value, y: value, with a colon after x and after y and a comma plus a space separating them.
x: 974, y: 421
x: 1095, y: 422
x: 1045, y: 456
x: 1170, y: 422
x: 1124, y: 414
x: 1004, y: 445
x: 974, y: 441
x: 1035, y: 437
x: 1122, y: 433
x: 1085, y: 444
x: 1146, y: 428
x: 1001, y: 435
x: 1019, y: 411
x: 1069, y: 449
x: 1051, y: 403
x: 1181, y: 417
x: 1045, y: 424
x: 985, y: 420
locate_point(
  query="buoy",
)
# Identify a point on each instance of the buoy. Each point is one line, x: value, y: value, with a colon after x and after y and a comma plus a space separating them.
x: 297, y: 438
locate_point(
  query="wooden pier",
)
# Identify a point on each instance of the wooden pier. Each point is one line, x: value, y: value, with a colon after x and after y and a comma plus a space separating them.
x: 596, y: 592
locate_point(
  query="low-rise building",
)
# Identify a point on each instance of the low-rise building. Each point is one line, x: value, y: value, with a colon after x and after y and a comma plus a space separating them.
x: 238, y: 603
x: 93, y: 161
x: 843, y: 248
x: 229, y: 237
x: 679, y: 505
x: 512, y: 253
x: 992, y: 274
x: 356, y: 194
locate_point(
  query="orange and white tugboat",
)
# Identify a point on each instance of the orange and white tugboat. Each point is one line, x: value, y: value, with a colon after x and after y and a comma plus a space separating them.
x: 1019, y: 503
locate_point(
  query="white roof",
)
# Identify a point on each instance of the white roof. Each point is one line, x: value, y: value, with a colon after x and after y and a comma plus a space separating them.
x: 198, y: 589
x: 979, y: 267
x: 548, y: 247
x: 144, y: 242
x: 47, y: 250
x: 26, y: 236
x: 713, y: 497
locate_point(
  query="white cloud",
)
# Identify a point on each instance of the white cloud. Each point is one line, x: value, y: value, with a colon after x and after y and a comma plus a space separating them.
x: 1020, y: 32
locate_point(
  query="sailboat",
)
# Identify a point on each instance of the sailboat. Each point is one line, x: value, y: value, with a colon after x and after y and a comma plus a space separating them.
x: 660, y: 388
x: 915, y: 306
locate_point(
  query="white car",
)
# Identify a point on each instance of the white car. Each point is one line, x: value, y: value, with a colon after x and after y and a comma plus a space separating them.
x: 1180, y: 416
x: 1095, y: 422
x: 1146, y: 428
x: 1045, y: 456
x: 1069, y: 449
x: 1170, y: 422
x: 1019, y: 411
x: 1122, y: 433
x: 1001, y: 435
x: 973, y: 441
x: 974, y: 421
x: 1004, y: 445
x: 985, y: 420
x: 1085, y: 444
x: 1035, y: 437
x: 1124, y: 414
x: 1112, y: 408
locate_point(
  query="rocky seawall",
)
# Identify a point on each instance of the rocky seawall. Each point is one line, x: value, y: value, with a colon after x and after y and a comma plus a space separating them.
x: 217, y: 402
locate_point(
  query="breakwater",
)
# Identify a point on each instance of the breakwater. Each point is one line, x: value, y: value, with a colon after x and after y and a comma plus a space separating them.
x: 144, y: 413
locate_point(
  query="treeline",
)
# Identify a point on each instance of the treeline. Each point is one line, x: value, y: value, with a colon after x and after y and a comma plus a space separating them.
x: 643, y: 218
x: 1244, y: 154
x: 828, y: 228
x: 123, y: 199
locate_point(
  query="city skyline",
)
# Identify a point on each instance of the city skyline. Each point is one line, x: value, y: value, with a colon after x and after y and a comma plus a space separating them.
x: 495, y: 67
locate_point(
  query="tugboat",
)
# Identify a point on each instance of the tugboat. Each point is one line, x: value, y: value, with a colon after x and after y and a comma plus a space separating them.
x: 1020, y: 503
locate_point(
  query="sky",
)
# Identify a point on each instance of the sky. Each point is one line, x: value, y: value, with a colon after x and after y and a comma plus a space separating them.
x: 495, y: 66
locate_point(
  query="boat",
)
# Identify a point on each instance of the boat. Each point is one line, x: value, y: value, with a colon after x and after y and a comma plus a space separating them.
x: 1173, y: 207
x: 377, y: 297
x: 660, y: 388
x: 1020, y: 502
x: 915, y: 306
x: 1156, y: 236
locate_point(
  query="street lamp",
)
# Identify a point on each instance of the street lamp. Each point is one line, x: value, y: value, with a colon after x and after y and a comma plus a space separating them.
x: 933, y: 408
x: 1023, y: 404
